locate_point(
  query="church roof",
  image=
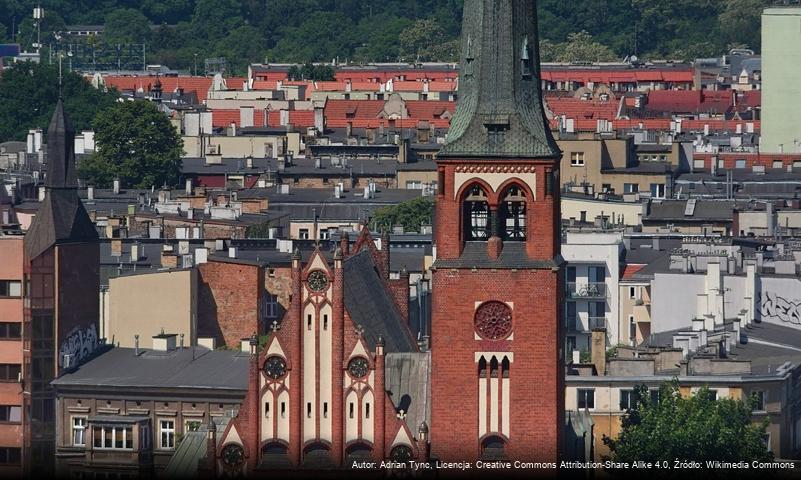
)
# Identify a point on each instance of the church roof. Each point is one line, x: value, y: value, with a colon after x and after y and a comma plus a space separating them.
x: 62, y: 217
x: 500, y: 112
x: 370, y: 304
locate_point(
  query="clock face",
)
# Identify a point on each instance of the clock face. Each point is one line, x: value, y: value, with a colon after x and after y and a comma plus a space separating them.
x: 275, y: 367
x: 233, y: 456
x: 358, y: 367
x: 318, y: 281
x: 493, y: 321
x: 401, y: 454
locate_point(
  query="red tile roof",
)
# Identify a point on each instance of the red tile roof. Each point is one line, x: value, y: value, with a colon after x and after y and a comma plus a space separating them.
x: 200, y: 85
x: 631, y: 269
x: 225, y: 117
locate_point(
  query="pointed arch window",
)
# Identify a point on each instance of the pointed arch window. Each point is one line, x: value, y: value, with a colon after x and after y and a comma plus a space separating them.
x: 476, y: 215
x: 513, y: 214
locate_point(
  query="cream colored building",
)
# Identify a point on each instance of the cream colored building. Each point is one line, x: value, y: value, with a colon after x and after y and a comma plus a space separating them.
x: 149, y: 304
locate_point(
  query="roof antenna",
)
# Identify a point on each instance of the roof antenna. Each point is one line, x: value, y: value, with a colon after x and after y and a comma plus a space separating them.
x: 60, y: 77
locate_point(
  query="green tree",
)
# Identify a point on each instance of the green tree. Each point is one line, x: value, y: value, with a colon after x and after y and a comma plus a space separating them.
x: 126, y: 25
x: 213, y: 19
x: 137, y: 144
x: 581, y: 47
x: 741, y: 22
x: 29, y: 93
x: 422, y: 41
x: 410, y: 214
x: 243, y: 46
x: 323, y: 37
x: 698, y: 428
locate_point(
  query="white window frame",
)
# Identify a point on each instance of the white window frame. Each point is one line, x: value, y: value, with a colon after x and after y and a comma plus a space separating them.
x: 114, y: 430
x: 170, y: 434
x: 79, y: 428
x: 631, y: 392
x: 578, y: 399
x: 577, y: 159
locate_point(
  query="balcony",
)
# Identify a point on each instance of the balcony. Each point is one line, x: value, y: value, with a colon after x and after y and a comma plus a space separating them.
x: 575, y: 325
x: 586, y: 290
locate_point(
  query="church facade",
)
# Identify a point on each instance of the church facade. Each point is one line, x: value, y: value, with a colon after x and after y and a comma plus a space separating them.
x: 340, y: 379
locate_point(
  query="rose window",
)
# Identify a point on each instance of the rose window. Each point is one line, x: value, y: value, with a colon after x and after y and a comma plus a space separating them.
x: 493, y: 320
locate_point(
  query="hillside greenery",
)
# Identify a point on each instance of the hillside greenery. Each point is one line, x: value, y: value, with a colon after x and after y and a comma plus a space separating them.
x: 244, y: 31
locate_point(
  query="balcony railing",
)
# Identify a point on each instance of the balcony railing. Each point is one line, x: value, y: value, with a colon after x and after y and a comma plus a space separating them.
x: 597, y: 322
x: 575, y: 325
x: 586, y: 290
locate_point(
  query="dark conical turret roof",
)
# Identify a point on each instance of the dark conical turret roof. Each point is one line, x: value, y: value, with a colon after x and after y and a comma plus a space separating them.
x: 500, y: 112
x: 61, y: 151
x: 62, y: 217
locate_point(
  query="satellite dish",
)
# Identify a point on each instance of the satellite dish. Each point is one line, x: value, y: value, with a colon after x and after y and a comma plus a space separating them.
x: 634, y: 59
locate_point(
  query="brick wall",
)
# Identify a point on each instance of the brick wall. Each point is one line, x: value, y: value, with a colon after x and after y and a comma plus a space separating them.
x: 229, y: 301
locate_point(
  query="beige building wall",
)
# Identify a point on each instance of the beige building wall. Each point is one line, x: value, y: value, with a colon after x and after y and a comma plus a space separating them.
x: 146, y: 304
x: 631, y: 213
x: 424, y: 177
x: 637, y: 308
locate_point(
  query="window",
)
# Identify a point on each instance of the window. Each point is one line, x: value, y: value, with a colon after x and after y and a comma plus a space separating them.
x: 778, y: 164
x: 658, y: 190
x: 698, y: 164
x: 654, y: 393
x: 79, y: 431
x: 10, y: 456
x: 739, y: 163
x: 631, y: 188
x: 606, y: 188
x: 628, y: 399
x: 571, y: 316
x: 10, y: 288
x: 10, y: 330
x: 513, y: 210
x: 351, y: 409
x: 366, y: 410
x: 632, y: 330
x: 270, y: 306
x: 167, y: 428
x: 632, y: 292
x: 586, y: 398
x: 759, y: 396
x: 9, y: 372
x: 192, y: 426
x: 303, y: 234
x: 10, y: 413
x: 325, y: 409
x: 476, y: 215
x: 308, y: 410
x: 414, y: 185
x: 577, y: 159
x: 112, y: 437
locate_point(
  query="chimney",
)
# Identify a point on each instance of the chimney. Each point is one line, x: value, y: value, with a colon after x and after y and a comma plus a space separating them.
x: 90, y: 193
x: 116, y: 186
x: 116, y: 247
x: 344, y: 244
x: 164, y: 342
x: 599, y: 350
x: 319, y: 119
x: 135, y: 252
x: 231, y: 252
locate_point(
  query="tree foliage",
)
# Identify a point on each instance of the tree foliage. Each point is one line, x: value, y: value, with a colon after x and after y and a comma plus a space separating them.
x: 137, y: 144
x: 698, y: 427
x: 410, y: 214
x: 29, y: 93
x: 302, y: 31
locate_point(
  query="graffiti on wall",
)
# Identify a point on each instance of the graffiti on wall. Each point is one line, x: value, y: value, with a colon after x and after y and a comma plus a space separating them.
x: 780, y: 309
x: 79, y: 344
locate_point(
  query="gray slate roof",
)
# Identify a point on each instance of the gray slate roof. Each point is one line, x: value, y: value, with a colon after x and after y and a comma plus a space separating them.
x: 513, y: 256
x: 407, y: 383
x: 120, y: 367
x: 371, y: 306
x: 496, y: 92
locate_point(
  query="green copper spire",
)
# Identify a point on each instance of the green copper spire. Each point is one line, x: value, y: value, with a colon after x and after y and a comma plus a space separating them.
x: 500, y: 112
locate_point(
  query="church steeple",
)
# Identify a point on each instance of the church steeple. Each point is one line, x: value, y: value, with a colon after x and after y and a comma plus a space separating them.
x: 61, y: 151
x: 500, y: 112
x: 62, y: 217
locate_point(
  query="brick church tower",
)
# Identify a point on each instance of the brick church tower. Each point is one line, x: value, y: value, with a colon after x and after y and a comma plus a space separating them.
x: 497, y: 371
x: 62, y: 281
